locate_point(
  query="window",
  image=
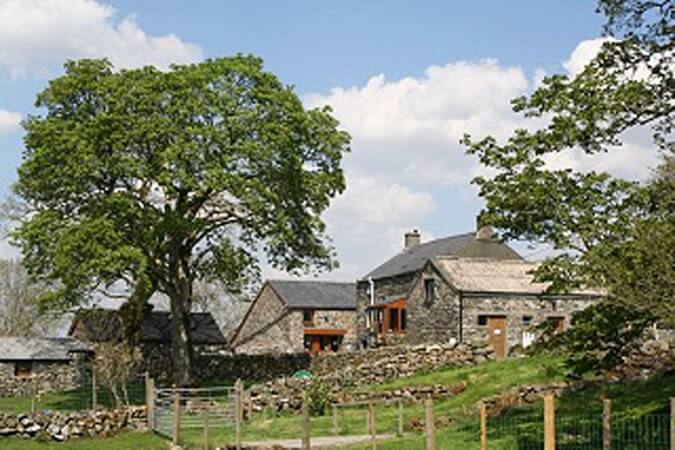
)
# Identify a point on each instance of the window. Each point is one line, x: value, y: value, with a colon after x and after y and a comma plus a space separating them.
x: 393, y: 320
x: 23, y: 369
x: 482, y: 320
x: 308, y: 317
x: 429, y: 289
x: 527, y: 321
x: 404, y: 323
x: 308, y: 342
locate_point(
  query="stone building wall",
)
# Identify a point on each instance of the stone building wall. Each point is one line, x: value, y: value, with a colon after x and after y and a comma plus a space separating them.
x: 47, y: 376
x: 435, y: 321
x: 386, y: 288
x: 515, y: 307
x: 270, y: 327
x: 267, y: 327
x: 325, y: 319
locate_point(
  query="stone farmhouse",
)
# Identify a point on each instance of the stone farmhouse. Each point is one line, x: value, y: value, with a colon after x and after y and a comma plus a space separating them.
x: 465, y: 288
x: 299, y: 316
x: 40, y: 364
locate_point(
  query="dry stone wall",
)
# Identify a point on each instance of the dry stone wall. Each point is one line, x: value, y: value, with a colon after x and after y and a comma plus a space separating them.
x: 59, y: 426
x: 349, y: 371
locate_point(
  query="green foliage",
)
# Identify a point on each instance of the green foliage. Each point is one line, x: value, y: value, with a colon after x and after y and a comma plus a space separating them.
x: 608, y: 232
x: 158, y: 179
x: 318, y: 398
x: 603, y: 335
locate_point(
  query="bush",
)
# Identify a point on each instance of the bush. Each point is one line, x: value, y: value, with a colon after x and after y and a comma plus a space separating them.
x: 318, y: 398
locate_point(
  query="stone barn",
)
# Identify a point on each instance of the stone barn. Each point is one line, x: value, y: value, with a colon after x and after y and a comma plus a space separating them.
x: 291, y: 316
x: 42, y: 364
x: 465, y: 288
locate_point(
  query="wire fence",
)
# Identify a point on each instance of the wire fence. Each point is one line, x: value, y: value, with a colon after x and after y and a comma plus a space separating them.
x: 89, y: 394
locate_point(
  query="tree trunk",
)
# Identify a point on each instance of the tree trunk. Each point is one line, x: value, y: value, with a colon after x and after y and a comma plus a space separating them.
x: 181, y: 342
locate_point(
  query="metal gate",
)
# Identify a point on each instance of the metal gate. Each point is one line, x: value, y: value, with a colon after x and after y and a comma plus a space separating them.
x: 196, y: 408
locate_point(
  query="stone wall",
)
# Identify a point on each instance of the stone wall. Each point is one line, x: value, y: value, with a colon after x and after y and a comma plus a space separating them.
x: 349, y: 371
x: 266, y: 327
x: 515, y: 308
x: 386, y: 288
x: 46, y: 377
x: 223, y: 366
x: 270, y: 327
x: 437, y: 320
x: 58, y: 426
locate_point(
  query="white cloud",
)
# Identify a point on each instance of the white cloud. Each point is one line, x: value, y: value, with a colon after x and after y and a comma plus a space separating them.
x: 408, y: 170
x: 38, y: 35
x: 9, y: 121
x: 583, y: 54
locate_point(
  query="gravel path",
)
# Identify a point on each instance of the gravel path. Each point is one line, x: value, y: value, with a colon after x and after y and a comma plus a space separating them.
x: 317, y: 442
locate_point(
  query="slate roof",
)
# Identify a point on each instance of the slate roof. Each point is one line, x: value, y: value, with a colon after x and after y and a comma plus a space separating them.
x: 495, y: 276
x: 40, y: 349
x: 102, y: 325
x: 414, y: 259
x: 316, y: 294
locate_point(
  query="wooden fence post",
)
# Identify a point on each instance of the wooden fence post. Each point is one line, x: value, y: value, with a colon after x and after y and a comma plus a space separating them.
x: 33, y: 399
x: 373, y: 429
x: 150, y: 400
x: 672, y: 423
x: 483, y: 428
x: 430, y: 438
x: 399, y: 430
x: 94, y: 397
x: 206, y: 427
x: 549, y: 422
x: 176, y: 417
x: 606, y: 424
x: 335, y: 420
x: 306, y: 443
x: 238, y: 389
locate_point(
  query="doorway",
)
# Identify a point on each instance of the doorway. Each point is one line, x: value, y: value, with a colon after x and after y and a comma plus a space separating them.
x: 497, y: 335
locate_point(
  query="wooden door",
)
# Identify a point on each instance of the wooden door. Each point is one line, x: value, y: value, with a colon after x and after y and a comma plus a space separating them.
x: 497, y: 335
x: 316, y: 345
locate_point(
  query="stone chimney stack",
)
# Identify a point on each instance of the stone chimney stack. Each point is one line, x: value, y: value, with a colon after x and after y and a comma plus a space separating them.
x: 486, y: 233
x: 411, y: 239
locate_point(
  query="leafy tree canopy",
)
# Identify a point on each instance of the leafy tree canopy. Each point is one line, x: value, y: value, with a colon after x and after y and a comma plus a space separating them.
x: 160, y: 179
x: 608, y: 232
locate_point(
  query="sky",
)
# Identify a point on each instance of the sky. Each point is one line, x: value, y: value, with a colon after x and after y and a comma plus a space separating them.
x: 405, y: 79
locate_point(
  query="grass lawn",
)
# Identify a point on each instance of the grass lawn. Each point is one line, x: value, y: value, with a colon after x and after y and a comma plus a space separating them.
x: 124, y: 441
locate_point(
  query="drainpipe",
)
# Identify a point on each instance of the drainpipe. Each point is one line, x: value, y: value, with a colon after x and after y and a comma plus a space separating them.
x: 371, y: 293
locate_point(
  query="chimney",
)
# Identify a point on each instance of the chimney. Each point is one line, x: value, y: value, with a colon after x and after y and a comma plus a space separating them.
x: 411, y: 239
x: 486, y: 233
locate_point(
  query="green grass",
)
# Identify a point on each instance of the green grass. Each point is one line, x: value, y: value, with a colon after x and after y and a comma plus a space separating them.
x: 124, y: 441
x: 492, y: 378
x: 72, y: 400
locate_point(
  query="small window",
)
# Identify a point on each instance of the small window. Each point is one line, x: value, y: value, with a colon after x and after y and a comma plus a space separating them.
x: 404, y: 323
x: 308, y: 343
x: 527, y: 321
x: 23, y: 369
x: 429, y: 289
x: 482, y: 320
x: 308, y: 316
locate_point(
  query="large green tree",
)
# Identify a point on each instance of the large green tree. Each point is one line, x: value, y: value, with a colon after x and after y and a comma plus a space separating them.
x: 608, y: 232
x: 156, y: 179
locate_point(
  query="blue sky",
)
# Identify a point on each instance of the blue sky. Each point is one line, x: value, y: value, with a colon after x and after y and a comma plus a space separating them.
x: 405, y: 78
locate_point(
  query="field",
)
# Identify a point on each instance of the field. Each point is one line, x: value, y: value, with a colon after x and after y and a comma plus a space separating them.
x: 634, y: 399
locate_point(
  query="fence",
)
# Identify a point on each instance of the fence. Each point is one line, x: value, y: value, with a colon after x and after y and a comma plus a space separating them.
x: 89, y: 394
x: 198, y: 418
x: 182, y: 413
x: 605, y: 431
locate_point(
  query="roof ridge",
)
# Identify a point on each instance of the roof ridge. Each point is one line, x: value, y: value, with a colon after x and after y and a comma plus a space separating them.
x: 275, y: 280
